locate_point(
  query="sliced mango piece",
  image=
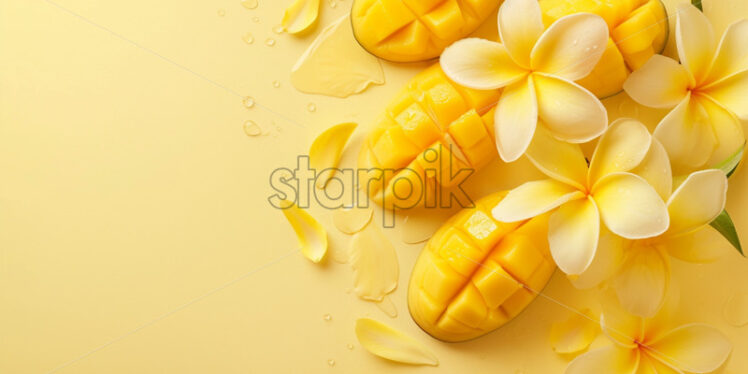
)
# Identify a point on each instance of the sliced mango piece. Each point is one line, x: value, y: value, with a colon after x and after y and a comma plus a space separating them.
x: 300, y: 15
x: 475, y: 273
x: 386, y: 342
x: 311, y: 235
x: 327, y: 148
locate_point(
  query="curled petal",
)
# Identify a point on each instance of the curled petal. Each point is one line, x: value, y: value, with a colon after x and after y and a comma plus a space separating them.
x: 698, y: 201
x: 621, y: 148
x: 661, y: 83
x: 695, y: 348
x: 656, y: 170
x: 300, y: 15
x: 515, y: 119
x: 559, y: 160
x: 702, y: 246
x: 728, y: 131
x: 606, y: 263
x: 573, y: 232
x: 571, y: 47
x: 568, y: 110
x: 310, y: 233
x: 732, y: 92
x: 327, y: 148
x: 630, y: 207
x: 386, y: 342
x: 686, y: 134
x: 642, y: 281
x: 695, y: 38
x: 732, y: 55
x: 574, y: 334
x: 520, y: 27
x: 480, y: 64
x: 609, y: 360
x: 534, y: 198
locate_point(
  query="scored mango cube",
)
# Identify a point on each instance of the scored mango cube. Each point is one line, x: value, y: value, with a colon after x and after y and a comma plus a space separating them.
x: 461, y: 289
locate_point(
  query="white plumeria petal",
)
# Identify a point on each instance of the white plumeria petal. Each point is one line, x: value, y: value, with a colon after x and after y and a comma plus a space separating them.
x: 608, y: 360
x: 643, y: 280
x: 656, y: 169
x: 534, y: 198
x: 571, y: 112
x: 661, y: 83
x: 687, y: 134
x: 571, y: 47
x: 621, y: 148
x: 728, y: 130
x: 630, y: 207
x: 520, y: 27
x: 695, y: 38
x: 480, y: 64
x: 702, y: 246
x: 694, y: 348
x: 559, y: 160
x: 573, y: 233
x: 516, y: 119
x: 698, y: 201
x: 606, y: 263
x: 732, y: 93
x: 732, y: 54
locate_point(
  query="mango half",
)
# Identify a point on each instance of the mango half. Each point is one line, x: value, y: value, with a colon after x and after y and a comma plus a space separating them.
x: 415, y: 30
x: 476, y: 274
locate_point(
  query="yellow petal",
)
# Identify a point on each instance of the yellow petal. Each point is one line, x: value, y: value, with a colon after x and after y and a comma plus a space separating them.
x: 735, y: 310
x: 300, y: 15
x: 571, y: 47
x: 520, y: 27
x: 559, y: 160
x: 687, y: 134
x: 698, y: 201
x: 622, y: 327
x: 386, y: 342
x: 608, y: 360
x: 656, y: 170
x: 311, y: 235
x: 651, y: 365
x: 728, y: 130
x: 695, y: 38
x: 732, y: 55
x: 326, y: 150
x: 568, y: 110
x: 661, y: 83
x: 574, y: 334
x: 732, y: 93
x: 643, y: 280
x: 515, y: 119
x: 630, y: 207
x: 374, y: 262
x: 351, y: 221
x: 480, y: 64
x: 623, y: 147
x: 702, y: 246
x: 534, y: 198
x: 573, y: 232
x: 606, y: 263
x: 695, y: 348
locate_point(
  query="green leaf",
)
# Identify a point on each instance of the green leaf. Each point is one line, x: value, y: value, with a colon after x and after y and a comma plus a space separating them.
x: 723, y: 224
x: 731, y: 164
x: 697, y: 3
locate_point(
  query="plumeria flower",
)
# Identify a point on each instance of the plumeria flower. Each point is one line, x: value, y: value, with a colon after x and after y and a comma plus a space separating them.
x: 640, y: 269
x: 537, y: 70
x: 708, y: 91
x: 648, y: 346
x: 617, y: 188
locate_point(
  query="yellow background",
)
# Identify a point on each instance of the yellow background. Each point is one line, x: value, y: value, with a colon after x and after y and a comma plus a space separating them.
x: 135, y: 235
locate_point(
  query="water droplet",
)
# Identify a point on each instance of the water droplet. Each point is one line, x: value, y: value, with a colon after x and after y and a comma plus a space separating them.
x: 576, y: 41
x: 587, y: 49
x: 249, y: 102
x: 594, y: 47
x: 221, y: 12
x: 252, y: 129
x: 248, y: 38
x: 327, y: 317
x: 276, y: 84
x: 333, y: 3
x: 331, y: 362
x: 350, y: 347
x: 249, y: 4
x: 270, y: 42
x: 255, y: 19
x: 278, y: 29
x: 311, y: 107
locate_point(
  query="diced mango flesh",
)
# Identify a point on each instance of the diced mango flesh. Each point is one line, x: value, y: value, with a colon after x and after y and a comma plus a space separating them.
x: 476, y: 274
x: 416, y: 30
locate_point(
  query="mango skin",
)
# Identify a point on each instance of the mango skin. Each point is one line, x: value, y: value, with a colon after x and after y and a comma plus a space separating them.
x: 415, y: 30
x: 476, y: 274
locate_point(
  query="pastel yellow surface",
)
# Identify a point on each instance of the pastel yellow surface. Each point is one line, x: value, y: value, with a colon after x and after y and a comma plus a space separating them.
x: 135, y: 234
